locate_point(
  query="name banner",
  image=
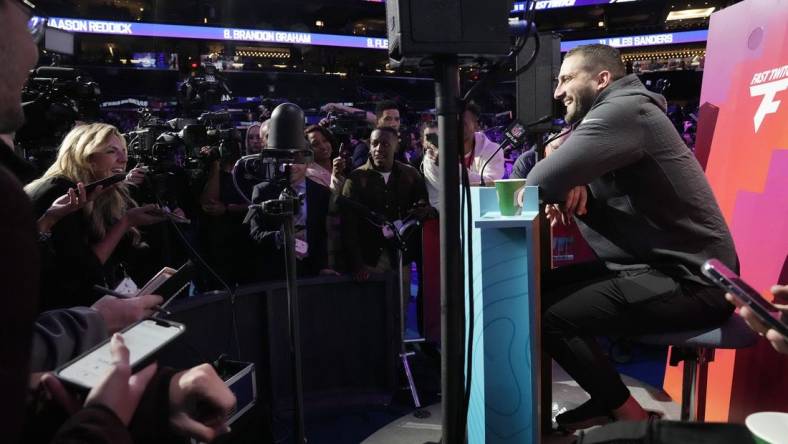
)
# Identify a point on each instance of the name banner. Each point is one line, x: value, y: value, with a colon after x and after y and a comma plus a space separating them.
x: 138, y: 29
x: 634, y: 41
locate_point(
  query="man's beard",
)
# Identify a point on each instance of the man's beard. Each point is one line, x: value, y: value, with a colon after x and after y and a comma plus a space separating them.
x: 583, y: 101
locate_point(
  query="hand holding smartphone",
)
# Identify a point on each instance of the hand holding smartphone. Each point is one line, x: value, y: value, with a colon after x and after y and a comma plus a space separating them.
x: 143, y: 340
x: 726, y: 279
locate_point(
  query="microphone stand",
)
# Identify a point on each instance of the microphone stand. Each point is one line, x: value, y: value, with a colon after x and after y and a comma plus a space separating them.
x: 402, y: 248
x: 287, y: 207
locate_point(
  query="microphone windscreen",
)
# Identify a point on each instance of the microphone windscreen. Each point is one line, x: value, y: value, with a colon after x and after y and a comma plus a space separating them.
x: 286, y: 128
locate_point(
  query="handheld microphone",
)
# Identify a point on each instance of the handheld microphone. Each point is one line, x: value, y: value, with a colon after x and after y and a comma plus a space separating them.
x: 514, y: 136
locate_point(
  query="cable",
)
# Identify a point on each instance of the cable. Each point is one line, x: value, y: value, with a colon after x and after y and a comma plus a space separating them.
x: 195, y: 255
x: 468, y: 241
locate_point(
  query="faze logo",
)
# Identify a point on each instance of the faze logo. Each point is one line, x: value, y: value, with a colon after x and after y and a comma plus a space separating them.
x: 768, y: 84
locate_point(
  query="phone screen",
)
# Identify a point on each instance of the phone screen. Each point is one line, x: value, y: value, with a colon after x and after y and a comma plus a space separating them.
x: 141, y: 339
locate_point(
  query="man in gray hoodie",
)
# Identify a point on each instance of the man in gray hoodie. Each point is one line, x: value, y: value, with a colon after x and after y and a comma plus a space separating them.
x: 643, y: 204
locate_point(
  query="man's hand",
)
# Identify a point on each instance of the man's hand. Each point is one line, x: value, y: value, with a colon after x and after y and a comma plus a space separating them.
x: 120, y: 313
x: 575, y: 203
x: 778, y: 341
x: 432, y: 153
x: 121, y: 391
x: 200, y: 403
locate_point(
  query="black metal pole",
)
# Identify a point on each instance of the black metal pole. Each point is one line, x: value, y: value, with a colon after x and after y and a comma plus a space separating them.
x: 288, y: 230
x: 447, y: 93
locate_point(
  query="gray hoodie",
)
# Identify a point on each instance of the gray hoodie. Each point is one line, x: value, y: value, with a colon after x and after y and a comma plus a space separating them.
x: 649, y: 201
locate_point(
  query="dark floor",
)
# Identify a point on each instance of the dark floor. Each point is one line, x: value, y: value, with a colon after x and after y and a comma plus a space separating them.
x: 354, y: 424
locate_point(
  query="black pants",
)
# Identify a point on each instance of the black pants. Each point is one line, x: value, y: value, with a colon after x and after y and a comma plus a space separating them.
x: 588, y: 300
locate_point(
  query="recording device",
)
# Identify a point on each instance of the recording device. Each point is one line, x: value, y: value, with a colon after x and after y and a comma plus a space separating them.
x: 175, y: 283
x: 143, y: 339
x: 53, y: 99
x: 514, y: 136
x: 286, y: 146
x: 105, y: 182
x: 433, y: 139
x: 204, y: 88
x: 175, y: 144
x: 726, y: 279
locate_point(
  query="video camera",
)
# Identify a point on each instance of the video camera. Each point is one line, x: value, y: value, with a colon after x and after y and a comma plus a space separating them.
x: 182, y: 143
x: 54, y: 99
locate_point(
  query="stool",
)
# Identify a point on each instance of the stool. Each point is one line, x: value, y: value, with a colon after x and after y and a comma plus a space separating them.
x: 696, y: 349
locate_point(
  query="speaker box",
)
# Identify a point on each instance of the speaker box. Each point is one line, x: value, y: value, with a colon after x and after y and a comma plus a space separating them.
x: 418, y: 28
x: 535, y: 87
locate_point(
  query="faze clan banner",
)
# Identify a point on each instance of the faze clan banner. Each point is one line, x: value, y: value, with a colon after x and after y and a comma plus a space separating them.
x: 214, y: 33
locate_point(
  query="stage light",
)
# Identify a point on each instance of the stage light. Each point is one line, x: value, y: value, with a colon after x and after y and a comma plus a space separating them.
x: 690, y: 14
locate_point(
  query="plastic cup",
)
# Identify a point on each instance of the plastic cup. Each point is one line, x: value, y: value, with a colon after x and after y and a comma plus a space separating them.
x: 507, y: 190
x: 768, y: 427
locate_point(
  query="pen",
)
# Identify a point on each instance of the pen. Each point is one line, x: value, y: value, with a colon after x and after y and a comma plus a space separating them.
x: 120, y: 295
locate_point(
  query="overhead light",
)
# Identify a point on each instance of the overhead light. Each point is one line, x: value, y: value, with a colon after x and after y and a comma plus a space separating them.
x: 690, y: 14
x: 320, y: 23
x: 601, y: 24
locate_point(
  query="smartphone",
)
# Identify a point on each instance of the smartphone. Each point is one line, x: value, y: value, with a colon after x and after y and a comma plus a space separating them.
x: 433, y: 139
x: 143, y: 340
x: 175, y: 284
x: 175, y: 217
x: 732, y: 283
x: 105, y: 182
x: 156, y: 281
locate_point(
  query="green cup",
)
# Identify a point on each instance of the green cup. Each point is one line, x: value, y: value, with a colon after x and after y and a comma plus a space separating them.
x: 768, y: 427
x: 507, y: 190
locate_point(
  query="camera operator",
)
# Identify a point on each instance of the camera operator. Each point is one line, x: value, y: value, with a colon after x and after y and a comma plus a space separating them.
x: 386, y: 114
x: 91, y: 244
x: 223, y: 234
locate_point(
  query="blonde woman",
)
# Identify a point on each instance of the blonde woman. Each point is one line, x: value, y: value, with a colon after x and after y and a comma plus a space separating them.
x: 86, y: 244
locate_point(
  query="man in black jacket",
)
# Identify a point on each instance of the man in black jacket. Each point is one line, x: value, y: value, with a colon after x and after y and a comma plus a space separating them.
x: 643, y: 204
x: 310, y: 224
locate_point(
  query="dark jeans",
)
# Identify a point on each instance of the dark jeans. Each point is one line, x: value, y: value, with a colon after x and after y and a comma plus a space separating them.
x: 583, y: 301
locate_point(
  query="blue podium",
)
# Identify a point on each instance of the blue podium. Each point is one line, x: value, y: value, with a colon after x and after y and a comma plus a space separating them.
x: 505, y: 391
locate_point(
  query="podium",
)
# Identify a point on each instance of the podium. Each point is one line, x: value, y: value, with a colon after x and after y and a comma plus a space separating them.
x: 505, y: 390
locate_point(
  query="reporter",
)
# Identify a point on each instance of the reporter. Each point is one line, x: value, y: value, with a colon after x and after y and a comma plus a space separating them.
x: 328, y: 168
x: 61, y: 335
x: 778, y: 341
x: 89, y: 245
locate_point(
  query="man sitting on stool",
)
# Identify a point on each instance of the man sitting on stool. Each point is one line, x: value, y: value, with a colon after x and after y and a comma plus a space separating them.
x: 643, y: 204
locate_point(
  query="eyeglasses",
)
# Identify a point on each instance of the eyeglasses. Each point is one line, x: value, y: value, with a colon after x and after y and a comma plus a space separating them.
x: 36, y: 24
